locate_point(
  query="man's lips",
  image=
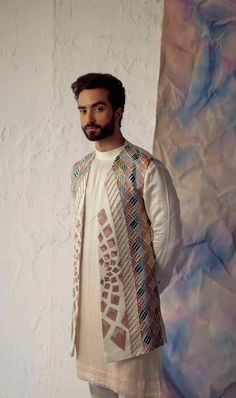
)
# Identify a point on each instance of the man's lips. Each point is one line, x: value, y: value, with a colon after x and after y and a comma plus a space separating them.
x: 91, y: 127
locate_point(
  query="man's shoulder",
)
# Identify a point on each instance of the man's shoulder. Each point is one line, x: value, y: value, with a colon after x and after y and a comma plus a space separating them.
x: 81, y: 163
x: 143, y: 152
x: 140, y: 152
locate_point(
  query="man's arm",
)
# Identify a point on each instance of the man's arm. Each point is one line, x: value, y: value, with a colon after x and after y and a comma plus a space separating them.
x: 162, y: 206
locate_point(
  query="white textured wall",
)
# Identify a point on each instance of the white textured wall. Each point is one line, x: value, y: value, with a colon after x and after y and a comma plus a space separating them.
x: 45, y: 45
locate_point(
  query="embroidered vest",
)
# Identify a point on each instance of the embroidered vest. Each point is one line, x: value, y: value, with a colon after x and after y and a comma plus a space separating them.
x: 126, y: 258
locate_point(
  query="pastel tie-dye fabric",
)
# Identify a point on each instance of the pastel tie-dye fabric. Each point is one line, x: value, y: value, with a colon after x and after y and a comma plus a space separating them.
x: 195, y: 138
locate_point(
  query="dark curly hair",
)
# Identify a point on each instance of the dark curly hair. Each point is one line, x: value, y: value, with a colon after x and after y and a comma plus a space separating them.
x: 101, y: 80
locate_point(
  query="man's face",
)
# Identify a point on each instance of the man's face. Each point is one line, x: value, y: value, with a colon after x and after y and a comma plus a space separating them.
x: 96, y: 114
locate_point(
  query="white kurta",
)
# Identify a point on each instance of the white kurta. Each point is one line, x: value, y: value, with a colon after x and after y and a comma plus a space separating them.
x: 137, y: 377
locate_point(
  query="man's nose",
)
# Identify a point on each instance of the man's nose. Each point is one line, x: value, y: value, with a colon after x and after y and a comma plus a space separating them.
x: 90, y: 116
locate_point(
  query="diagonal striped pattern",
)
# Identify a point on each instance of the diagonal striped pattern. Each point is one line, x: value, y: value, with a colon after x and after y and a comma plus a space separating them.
x: 134, y: 236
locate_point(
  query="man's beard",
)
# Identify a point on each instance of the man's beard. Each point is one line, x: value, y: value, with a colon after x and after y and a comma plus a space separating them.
x: 99, y: 132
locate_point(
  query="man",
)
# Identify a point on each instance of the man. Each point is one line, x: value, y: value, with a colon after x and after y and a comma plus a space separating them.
x: 127, y: 239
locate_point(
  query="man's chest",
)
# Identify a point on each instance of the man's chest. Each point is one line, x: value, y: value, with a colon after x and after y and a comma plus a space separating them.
x: 96, y: 194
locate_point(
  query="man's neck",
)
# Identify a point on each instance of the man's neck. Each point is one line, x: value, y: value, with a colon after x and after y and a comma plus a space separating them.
x: 109, y: 143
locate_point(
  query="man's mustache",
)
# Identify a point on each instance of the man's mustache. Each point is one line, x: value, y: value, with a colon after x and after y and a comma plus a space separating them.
x: 92, y: 125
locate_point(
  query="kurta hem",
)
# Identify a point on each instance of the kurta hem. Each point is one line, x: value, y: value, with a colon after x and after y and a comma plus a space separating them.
x: 107, y: 380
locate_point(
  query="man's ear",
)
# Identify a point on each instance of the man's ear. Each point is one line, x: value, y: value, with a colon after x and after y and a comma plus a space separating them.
x: 119, y: 113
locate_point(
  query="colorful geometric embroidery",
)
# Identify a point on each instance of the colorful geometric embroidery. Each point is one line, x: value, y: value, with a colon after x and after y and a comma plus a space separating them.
x: 129, y: 169
x: 79, y: 171
x: 128, y: 286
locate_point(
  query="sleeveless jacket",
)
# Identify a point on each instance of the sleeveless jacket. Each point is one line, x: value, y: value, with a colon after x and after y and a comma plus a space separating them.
x: 127, y: 264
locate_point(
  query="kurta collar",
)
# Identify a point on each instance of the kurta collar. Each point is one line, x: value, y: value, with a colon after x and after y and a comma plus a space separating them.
x: 108, y: 155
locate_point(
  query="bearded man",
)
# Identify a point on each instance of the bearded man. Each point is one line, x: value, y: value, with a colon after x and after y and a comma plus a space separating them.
x: 127, y: 239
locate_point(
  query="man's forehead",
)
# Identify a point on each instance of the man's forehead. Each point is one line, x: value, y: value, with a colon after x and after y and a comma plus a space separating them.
x: 89, y: 96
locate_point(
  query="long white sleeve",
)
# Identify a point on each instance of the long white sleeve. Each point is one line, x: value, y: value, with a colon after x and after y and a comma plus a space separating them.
x: 162, y: 206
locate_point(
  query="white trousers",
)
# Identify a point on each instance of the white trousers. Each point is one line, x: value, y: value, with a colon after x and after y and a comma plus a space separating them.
x: 102, y: 392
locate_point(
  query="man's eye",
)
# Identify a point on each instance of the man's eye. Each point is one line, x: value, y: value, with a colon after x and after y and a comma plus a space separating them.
x: 83, y: 111
x: 99, y: 109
